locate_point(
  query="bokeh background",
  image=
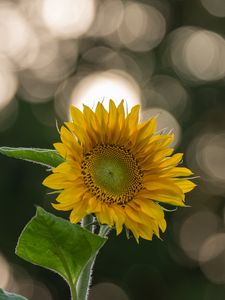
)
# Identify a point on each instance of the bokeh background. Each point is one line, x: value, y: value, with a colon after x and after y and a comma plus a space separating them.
x: 167, y: 55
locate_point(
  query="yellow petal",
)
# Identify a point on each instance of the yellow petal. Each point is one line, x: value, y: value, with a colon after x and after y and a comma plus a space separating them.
x: 154, y: 211
x: 162, y: 155
x: 105, y: 216
x: 70, y: 147
x: 112, y: 123
x: 146, y: 232
x: 63, y: 206
x: 132, y: 120
x: 57, y: 181
x: 165, y: 197
x: 92, y: 205
x: 71, y: 195
x: 82, y: 136
x: 112, y: 114
x: 172, y: 161
x: 185, y: 185
x: 150, y: 208
x: 66, y: 136
x: 121, y: 114
x: 69, y: 169
x: 77, y: 116
x: 102, y: 115
x: 177, y: 171
x: 61, y: 149
x: 92, y: 125
x: 155, y: 150
x: 76, y: 216
x: 146, y: 129
x: 161, y: 140
x: 164, y: 191
x: 163, y: 185
x: 136, y: 215
x: 119, y: 219
x: 133, y: 227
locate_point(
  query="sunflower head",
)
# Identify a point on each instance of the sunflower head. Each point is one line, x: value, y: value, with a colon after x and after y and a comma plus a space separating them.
x: 118, y: 169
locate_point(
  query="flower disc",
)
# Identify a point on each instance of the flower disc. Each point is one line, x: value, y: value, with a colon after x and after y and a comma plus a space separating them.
x: 112, y: 174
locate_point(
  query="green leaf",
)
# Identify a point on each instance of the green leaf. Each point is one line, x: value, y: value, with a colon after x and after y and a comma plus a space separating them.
x: 45, y: 157
x: 58, y: 245
x: 9, y: 296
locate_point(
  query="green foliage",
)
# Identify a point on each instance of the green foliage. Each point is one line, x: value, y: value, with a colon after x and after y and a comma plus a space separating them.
x: 58, y: 245
x: 9, y: 296
x: 45, y: 157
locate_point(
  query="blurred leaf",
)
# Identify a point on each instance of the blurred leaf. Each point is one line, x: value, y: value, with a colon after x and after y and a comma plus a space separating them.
x: 46, y: 157
x: 9, y: 296
x: 58, y: 245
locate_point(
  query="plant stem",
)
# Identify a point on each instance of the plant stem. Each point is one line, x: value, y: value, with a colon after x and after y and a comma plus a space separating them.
x: 87, y: 223
x: 73, y: 291
x: 104, y: 230
x: 84, y: 280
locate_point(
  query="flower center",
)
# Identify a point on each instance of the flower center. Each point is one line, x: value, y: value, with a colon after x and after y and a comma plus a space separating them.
x: 112, y: 174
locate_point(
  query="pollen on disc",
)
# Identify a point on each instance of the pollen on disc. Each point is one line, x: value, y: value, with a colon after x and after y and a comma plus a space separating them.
x: 112, y: 174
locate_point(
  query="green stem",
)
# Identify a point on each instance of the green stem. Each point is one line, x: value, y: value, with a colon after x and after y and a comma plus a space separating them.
x: 73, y: 291
x: 84, y: 280
x: 104, y: 230
x: 87, y: 223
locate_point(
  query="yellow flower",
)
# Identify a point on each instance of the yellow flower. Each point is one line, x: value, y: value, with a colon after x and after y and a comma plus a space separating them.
x: 118, y: 170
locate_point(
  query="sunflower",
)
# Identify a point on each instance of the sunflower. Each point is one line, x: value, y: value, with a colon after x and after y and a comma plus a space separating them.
x: 118, y: 169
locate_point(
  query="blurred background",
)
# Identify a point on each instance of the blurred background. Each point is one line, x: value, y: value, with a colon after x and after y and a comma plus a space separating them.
x: 167, y: 55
